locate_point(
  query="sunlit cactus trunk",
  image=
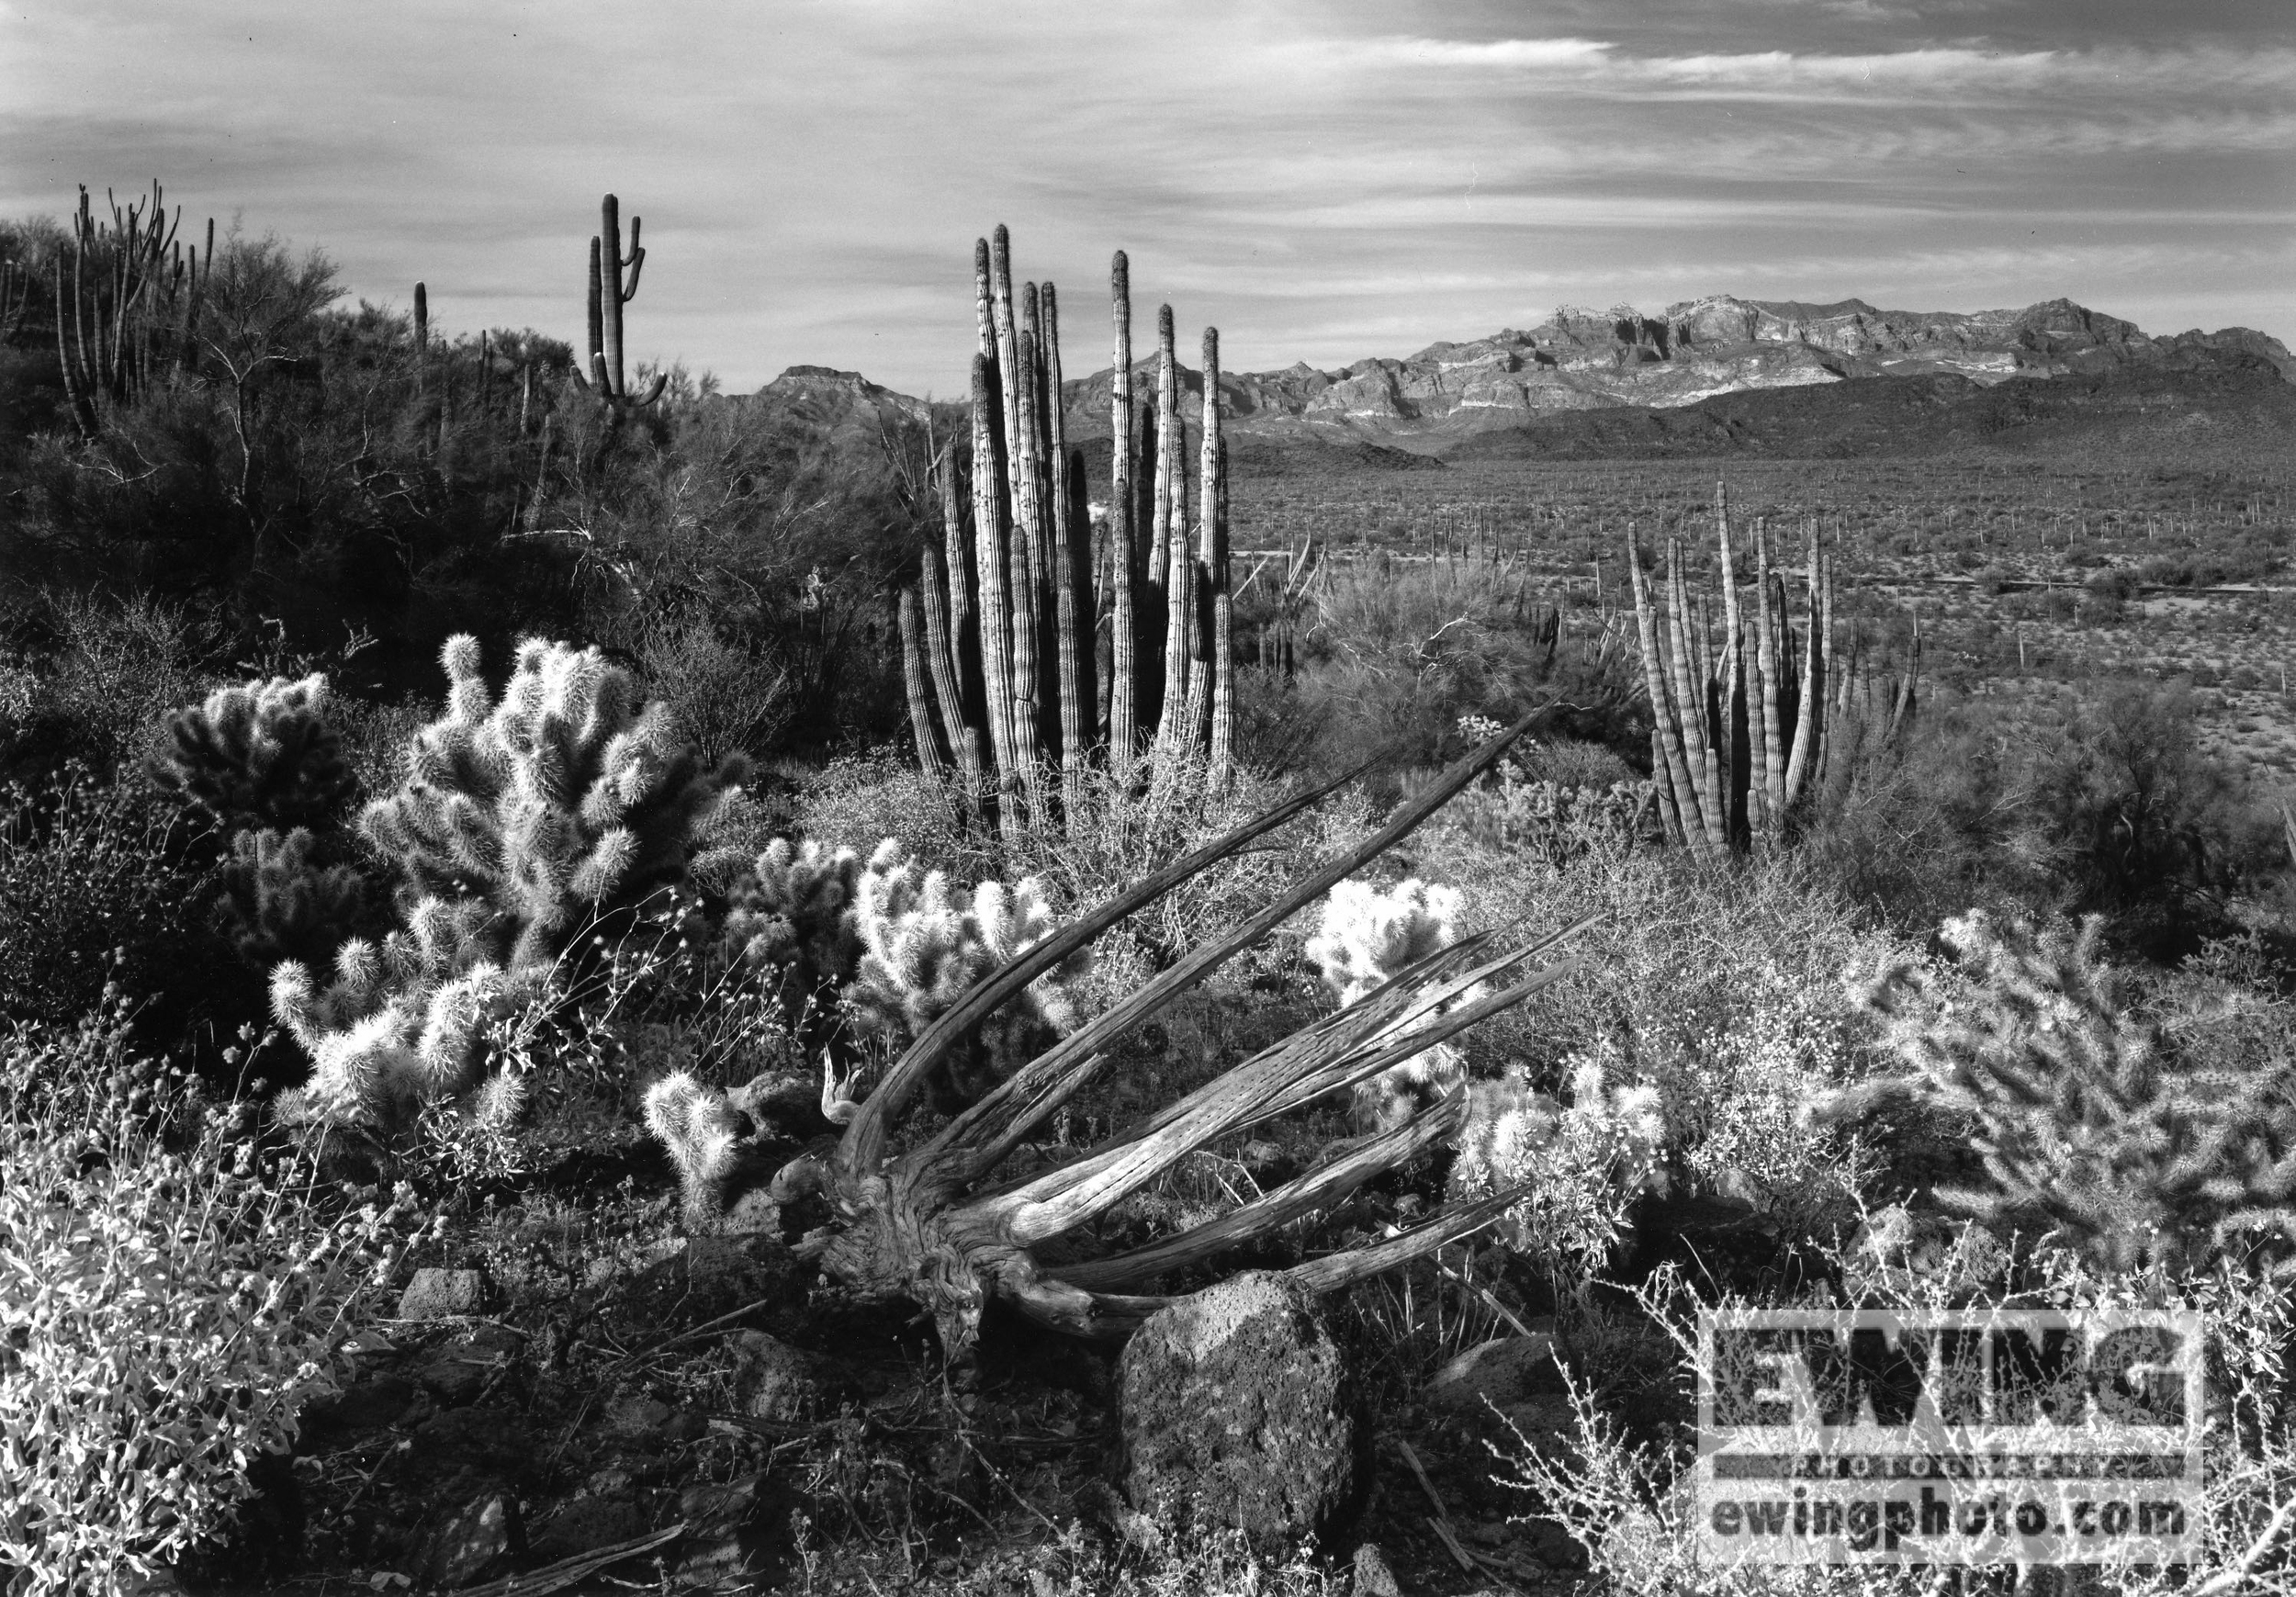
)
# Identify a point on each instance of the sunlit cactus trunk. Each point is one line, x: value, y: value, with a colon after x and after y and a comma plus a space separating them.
x: 1122, y: 536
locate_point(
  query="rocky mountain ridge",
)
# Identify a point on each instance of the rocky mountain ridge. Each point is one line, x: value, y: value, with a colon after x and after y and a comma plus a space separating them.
x: 1581, y: 360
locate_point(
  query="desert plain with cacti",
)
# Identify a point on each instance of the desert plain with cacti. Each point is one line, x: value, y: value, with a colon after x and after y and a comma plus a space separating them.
x: 1167, y: 980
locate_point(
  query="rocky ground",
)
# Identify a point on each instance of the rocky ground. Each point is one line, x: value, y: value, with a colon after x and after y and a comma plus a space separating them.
x: 705, y: 1414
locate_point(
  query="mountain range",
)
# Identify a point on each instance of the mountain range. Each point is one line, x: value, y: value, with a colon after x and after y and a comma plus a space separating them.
x: 1717, y: 374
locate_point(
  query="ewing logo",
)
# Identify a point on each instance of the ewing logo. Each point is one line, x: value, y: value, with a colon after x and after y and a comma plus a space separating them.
x: 1970, y: 1436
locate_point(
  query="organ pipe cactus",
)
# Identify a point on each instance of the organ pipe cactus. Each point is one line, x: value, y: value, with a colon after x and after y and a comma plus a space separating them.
x: 128, y: 298
x: 931, y: 1224
x: 999, y: 634
x: 1743, y: 734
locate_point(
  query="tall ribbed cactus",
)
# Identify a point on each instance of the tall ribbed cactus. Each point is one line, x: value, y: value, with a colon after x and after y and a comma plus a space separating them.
x: 1743, y: 730
x: 1003, y: 675
x: 128, y: 303
x: 608, y: 294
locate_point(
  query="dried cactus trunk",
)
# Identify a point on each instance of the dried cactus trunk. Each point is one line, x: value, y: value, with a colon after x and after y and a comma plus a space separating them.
x: 914, y: 1227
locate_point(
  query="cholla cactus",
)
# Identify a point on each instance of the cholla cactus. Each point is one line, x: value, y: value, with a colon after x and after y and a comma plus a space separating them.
x: 924, y: 946
x: 1365, y: 938
x: 562, y: 800
x: 2138, y: 1146
x: 280, y: 902
x: 258, y: 754
x: 1587, y: 1162
x: 792, y: 915
x: 701, y: 1130
x: 401, y: 1024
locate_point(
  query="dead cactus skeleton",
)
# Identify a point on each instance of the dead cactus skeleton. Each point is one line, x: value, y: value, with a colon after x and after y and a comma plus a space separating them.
x: 923, y: 1225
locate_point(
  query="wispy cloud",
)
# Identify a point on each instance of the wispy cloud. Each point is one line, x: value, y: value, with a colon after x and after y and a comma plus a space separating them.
x: 1325, y: 178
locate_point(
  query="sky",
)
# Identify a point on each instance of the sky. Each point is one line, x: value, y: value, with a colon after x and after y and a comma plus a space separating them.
x: 1324, y: 180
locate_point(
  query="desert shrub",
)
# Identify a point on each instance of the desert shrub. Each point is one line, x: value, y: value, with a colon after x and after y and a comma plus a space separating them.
x: 2136, y: 1143
x: 94, y: 885
x: 1720, y: 990
x: 1623, y: 1494
x: 725, y: 695
x: 102, y: 674
x: 2150, y: 831
x: 166, y: 1306
x: 1585, y: 1163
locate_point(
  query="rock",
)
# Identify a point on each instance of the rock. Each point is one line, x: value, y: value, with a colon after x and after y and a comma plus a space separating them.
x: 459, y: 1371
x: 1373, y: 1577
x: 1504, y: 1370
x: 1240, y: 1410
x: 442, y: 1294
x: 486, y: 1533
x: 775, y: 1381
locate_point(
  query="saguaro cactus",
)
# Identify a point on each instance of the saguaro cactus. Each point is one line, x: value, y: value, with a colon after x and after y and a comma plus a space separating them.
x: 1003, y: 675
x: 608, y: 294
x: 1741, y: 735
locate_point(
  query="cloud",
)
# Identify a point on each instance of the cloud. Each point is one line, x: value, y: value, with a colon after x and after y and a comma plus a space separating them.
x: 1323, y: 178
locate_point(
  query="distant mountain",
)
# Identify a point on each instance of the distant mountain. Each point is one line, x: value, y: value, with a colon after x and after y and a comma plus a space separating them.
x: 1718, y: 375
x: 1579, y: 360
x: 2219, y: 398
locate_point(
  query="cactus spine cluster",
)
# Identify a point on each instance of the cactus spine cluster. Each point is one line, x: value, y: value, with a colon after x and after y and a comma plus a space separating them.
x: 892, y: 948
x: 1740, y: 735
x: 1004, y: 682
x: 524, y: 822
x: 257, y: 754
x: 924, y: 944
x: 562, y: 801
x: 1366, y: 937
x: 2135, y: 1144
x: 257, y: 762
